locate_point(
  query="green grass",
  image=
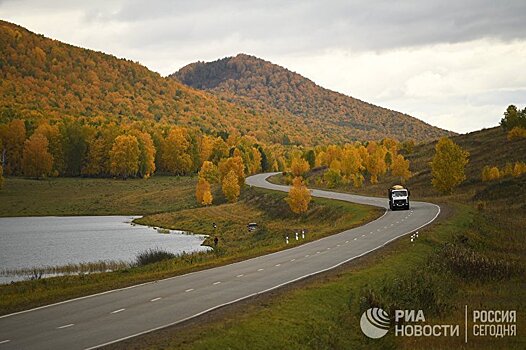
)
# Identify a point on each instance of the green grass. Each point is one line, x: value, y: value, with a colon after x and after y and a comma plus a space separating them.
x: 472, y: 257
x: 324, y: 313
x: 85, y: 196
x: 265, y: 207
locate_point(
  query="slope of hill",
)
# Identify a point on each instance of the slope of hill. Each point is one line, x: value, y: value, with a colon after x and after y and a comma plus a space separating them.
x: 264, y: 86
x: 42, y: 78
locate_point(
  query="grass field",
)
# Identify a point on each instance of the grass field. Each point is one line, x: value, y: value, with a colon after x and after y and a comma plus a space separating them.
x: 474, y: 256
x: 324, y: 313
x: 85, y: 196
x: 265, y: 207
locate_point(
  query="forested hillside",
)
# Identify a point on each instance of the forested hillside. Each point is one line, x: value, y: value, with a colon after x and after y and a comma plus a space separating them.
x: 266, y: 87
x: 44, y: 79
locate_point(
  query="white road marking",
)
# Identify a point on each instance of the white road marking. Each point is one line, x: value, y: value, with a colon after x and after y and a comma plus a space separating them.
x: 260, y: 270
x: 317, y: 252
x: 363, y: 235
x: 241, y: 275
x: 338, y: 245
x: 5, y: 341
x: 66, y: 326
x: 155, y: 299
x: 307, y: 255
x: 216, y: 283
x: 291, y: 260
x: 117, y: 311
x: 277, y: 265
x: 355, y: 238
x: 346, y: 241
x: 398, y: 222
x: 328, y: 248
x: 378, y: 230
x: 189, y: 290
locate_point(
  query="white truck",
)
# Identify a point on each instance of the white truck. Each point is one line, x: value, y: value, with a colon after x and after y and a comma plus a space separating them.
x: 398, y: 197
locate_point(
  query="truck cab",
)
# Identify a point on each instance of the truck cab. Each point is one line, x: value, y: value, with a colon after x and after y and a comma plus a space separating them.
x: 398, y: 197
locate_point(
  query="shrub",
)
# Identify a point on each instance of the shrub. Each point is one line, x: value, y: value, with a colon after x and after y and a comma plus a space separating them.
x: 151, y: 256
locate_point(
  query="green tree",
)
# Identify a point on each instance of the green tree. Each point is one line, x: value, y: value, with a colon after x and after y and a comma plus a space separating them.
x: 513, y: 117
x: 448, y: 165
x: 310, y: 157
x: 124, y: 156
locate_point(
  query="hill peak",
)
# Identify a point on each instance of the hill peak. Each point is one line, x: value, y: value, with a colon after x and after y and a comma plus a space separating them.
x: 263, y: 85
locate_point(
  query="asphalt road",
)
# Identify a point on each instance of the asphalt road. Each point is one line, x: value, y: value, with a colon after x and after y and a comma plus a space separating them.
x: 109, y: 317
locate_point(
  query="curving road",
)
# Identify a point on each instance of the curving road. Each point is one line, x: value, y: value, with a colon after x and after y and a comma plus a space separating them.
x: 105, y: 318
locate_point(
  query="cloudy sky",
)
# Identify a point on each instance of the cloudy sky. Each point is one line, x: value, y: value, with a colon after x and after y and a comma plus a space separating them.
x: 455, y: 64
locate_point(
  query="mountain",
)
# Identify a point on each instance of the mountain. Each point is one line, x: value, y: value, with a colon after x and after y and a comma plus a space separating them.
x: 269, y: 88
x: 41, y: 78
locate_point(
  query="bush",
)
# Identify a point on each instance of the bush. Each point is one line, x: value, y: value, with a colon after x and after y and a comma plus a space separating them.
x: 151, y: 256
x: 417, y: 289
x: 470, y: 265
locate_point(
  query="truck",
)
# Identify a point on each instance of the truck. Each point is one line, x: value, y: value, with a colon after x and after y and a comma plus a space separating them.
x: 398, y: 197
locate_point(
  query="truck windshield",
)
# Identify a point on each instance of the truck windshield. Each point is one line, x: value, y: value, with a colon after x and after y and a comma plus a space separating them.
x: 400, y: 194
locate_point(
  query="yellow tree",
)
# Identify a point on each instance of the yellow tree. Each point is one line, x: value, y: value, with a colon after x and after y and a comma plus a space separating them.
x: 36, y: 159
x: 124, y: 156
x: 206, y: 147
x: 146, y: 154
x: 52, y: 134
x: 202, y: 192
x: 447, y: 167
x: 400, y: 167
x: 299, y: 166
x: 376, y: 162
x: 299, y: 196
x: 234, y: 164
x: 351, y: 161
x: 209, y: 172
x: 230, y: 186
x: 13, y: 136
x: 176, y: 152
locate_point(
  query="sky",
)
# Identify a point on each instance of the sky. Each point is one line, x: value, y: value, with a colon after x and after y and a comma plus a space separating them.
x: 454, y: 64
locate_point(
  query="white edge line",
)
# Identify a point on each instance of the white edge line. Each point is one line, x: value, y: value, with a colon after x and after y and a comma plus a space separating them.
x: 5, y: 341
x: 117, y: 311
x: 258, y: 257
x: 266, y: 290
x: 66, y: 326
x: 186, y: 274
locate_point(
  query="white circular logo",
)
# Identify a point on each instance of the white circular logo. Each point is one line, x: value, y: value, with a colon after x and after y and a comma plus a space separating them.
x: 375, y: 323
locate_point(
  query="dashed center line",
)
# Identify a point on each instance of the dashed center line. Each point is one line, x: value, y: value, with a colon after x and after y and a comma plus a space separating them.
x: 260, y: 270
x: 5, y: 341
x: 337, y: 245
x: 66, y: 326
x: 188, y: 290
x: 355, y: 238
x: 328, y: 248
x: 117, y: 311
x: 307, y: 255
x: 317, y: 252
x: 346, y: 241
x: 277, y: 265
x: 291, y: 260
x: 155, y: 299
x: 241, y: 275
x: 363, y: 235
x: 216, y: 283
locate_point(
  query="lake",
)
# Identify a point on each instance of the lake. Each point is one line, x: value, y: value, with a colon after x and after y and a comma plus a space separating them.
x: 28, y: 242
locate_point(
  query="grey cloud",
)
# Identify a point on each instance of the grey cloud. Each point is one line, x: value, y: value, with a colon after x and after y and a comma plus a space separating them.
x: 308, y: 25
